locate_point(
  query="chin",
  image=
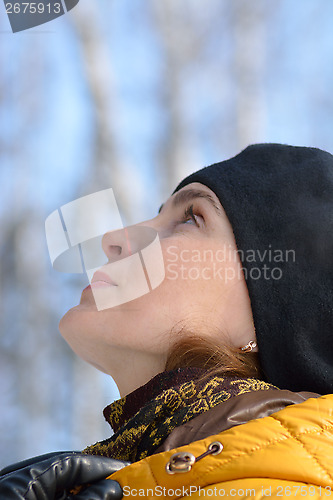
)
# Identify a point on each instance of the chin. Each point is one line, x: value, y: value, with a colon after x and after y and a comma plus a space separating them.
x: 71, y: 321
x: 73, y: 328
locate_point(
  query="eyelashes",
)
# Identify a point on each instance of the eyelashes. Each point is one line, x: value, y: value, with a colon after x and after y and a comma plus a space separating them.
x: 190, y: 216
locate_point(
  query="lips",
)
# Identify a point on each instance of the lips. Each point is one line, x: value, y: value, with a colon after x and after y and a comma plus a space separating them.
x: 99, y: 277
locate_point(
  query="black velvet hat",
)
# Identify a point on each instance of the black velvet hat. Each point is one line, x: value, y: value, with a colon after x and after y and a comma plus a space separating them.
x: 279, y: 201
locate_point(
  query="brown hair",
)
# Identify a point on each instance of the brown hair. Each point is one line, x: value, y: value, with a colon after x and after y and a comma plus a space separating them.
x: 217, y: 359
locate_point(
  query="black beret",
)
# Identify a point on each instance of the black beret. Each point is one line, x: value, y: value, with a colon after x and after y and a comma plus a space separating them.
x: 279, y: 201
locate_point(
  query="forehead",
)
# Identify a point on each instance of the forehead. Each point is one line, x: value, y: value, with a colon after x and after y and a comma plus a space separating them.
x: 191, y: 192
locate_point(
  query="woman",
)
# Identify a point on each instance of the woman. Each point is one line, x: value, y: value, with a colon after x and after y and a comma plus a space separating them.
x: 239, y: 328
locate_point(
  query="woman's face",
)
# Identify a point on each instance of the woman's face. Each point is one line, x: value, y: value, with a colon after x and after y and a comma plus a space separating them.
x: 203, y: 292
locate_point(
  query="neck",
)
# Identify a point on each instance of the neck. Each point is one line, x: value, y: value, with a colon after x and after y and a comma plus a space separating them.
x: 130, y: 369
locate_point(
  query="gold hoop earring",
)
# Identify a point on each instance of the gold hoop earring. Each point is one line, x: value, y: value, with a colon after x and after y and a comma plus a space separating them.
x: 250, y: 346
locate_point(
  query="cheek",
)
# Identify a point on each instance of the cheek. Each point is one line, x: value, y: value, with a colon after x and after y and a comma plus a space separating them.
x: 206, y: 264
x: 189, y: 289
x: 194, y: 269
x: 198, y: 281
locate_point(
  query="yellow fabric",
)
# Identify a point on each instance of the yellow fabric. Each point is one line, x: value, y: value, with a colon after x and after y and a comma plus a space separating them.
x: 288, y: 454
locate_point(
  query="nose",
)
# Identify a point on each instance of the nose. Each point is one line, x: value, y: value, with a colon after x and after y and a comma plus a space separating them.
x: 116, y: 244
x: 125, y: 242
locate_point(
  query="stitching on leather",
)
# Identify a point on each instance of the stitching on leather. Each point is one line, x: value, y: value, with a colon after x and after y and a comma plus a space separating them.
x: 297, y: 437
x: 254, y: 449
x: 35, y: 479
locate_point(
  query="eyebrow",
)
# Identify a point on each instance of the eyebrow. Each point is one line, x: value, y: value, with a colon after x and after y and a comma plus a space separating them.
x: 188, y: 195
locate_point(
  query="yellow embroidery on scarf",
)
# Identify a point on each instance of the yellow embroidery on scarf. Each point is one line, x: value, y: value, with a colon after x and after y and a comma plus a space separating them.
x: 146, y: 430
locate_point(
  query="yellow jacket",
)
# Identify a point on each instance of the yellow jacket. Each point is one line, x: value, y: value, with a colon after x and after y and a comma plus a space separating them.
x: 287, y: 454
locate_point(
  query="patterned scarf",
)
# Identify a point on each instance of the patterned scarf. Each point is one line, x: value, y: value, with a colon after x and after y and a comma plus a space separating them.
x: 142, y: 420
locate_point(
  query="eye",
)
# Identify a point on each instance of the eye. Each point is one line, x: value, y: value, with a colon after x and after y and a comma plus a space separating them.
x: 190, y: 216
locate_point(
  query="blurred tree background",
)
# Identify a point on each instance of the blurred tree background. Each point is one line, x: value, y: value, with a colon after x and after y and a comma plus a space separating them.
x: 131, y: 95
